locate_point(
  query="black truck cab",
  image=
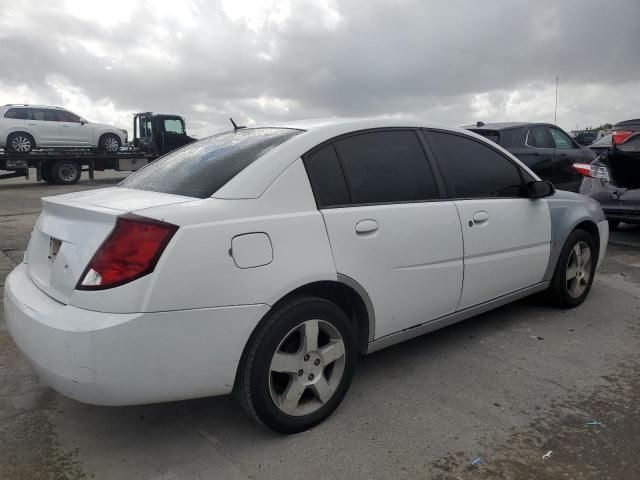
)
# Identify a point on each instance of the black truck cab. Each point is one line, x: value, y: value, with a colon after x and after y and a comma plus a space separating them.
x: 158, y: 133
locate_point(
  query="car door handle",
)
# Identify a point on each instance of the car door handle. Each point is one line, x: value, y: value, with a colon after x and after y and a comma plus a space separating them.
x: 32, y: 124
x: 366, y: 226
x: 480, y: 217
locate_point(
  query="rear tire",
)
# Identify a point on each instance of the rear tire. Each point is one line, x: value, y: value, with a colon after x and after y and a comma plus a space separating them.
x: 576, y: 267
x: 109, y: 143
x: 20, y: 142
x: 65, y: 172
x: 298, y: 365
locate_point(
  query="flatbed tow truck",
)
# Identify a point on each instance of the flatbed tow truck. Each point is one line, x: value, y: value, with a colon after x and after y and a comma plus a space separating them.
x: 153, y: 136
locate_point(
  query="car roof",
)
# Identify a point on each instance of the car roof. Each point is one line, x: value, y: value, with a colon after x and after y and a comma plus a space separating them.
x: 254, y: 180
x: 501, y: 125
x: 25, y: 105
x: 628, y: 122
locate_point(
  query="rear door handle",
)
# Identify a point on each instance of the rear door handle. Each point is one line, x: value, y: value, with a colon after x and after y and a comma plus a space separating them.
x: 366, y: 226
x: 480, y: 217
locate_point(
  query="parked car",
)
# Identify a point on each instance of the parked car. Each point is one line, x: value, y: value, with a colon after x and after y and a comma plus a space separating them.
x: 601, y: 145
x: 545, y: 148
x: 586, y: 138
x: 613, y: 179
x: 26, y: 127
x: 263, y: 260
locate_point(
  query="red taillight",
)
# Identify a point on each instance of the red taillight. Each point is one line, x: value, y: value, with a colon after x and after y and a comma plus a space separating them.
x: 619, y: 136
x: 583, y: 168
x: 129, y: 252
x: 592, y: 171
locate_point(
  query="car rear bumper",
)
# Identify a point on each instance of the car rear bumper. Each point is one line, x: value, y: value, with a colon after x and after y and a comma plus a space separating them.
x: 626, y: 215
x: 126, y: 359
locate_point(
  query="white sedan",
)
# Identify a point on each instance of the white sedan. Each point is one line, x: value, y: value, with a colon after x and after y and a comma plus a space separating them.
x: 263, y: 260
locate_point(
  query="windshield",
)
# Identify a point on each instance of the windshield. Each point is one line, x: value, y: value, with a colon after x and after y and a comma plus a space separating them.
x: 202, y: 168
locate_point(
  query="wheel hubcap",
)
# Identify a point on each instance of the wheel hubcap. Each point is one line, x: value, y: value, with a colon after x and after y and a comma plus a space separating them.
x: 111, y: 144
x: 21, y: 144
x: 68, y: 172
x: 306, y: 368
x: 578, y: 271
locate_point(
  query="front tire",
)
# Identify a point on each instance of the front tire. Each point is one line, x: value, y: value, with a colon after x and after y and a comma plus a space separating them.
x: 20, y: 142
x: 109, y: 143
x: 65, y: 172
x: 574, y: 271
x: 298, y: 365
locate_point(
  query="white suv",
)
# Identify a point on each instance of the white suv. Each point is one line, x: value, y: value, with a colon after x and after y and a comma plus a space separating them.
x: 263, y: 260
x: 26, y: 127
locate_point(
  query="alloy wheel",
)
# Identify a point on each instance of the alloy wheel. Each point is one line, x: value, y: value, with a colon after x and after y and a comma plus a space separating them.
x: 110, y: 144
x: 21, y: 143
x: 306, y: 368
x: 578, y: 271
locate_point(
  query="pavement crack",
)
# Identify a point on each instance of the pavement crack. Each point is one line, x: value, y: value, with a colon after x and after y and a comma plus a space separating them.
x: 210, y: 439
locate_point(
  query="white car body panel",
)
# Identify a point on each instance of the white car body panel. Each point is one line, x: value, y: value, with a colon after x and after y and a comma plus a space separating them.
x: 286, y: 213
x: 508, y: 251
x: 411, y: 270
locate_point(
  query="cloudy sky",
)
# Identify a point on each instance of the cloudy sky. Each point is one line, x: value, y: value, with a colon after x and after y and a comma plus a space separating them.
x: 448, y: 61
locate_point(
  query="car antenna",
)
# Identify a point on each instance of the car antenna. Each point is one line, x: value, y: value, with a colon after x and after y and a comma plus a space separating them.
x: 479, y: 124
x: 235, y: 127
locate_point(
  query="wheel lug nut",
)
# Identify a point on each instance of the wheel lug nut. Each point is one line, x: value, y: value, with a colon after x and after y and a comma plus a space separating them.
x: 306, y: 357
x: 316, y: 362
x: 300, y: 372
x: 310, y: 376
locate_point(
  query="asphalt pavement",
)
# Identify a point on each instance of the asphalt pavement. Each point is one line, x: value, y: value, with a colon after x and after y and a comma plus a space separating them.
x: 524, y: 392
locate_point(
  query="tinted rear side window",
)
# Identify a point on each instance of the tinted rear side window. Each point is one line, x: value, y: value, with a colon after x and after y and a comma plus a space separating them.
x: 202, y: 168
x: 326, y: 177
x: 538, y: 137
x: 17, y: 113
x: 384, y: 167
x: 474, y: 170
x: 511, y: 137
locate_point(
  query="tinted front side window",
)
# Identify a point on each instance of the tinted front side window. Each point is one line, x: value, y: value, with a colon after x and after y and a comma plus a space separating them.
x: 538, y: 138
x: 17, y: 113
x: 64, y: 116
x: 474, y: 170
x: 326, y: 177
x: 561, y: 139
x: 202, y: 168
x: 386, y: 167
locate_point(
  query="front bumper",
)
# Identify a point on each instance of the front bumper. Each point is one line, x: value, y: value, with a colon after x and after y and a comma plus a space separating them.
x: 126, y: 359
x: 603, y: 231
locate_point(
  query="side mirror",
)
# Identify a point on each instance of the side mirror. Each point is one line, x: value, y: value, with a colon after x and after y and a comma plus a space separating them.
x: 540, y: 189
x: 82, y: 121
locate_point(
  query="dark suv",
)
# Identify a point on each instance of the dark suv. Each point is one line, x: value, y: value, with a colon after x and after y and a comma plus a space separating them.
x: 614, y: 177
x: 545, y: 148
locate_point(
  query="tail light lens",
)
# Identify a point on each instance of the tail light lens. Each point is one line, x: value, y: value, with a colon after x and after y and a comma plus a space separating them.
x: 592, y: 171
x: 619, y: 136
x: 131, y: 251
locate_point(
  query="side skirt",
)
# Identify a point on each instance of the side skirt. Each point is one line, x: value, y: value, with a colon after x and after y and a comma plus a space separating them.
x: 452, y: 318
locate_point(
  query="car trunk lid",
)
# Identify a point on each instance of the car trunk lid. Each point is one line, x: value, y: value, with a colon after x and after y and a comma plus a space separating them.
x: 72, y: 227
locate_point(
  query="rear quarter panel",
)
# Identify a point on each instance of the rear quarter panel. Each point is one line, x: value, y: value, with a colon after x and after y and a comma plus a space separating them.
x: 198, y: 269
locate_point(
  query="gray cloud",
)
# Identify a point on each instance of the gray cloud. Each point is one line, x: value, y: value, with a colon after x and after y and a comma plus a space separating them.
x: 447, y: 61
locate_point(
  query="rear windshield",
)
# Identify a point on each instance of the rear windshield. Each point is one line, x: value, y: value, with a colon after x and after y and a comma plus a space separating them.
x: 202, y: 168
